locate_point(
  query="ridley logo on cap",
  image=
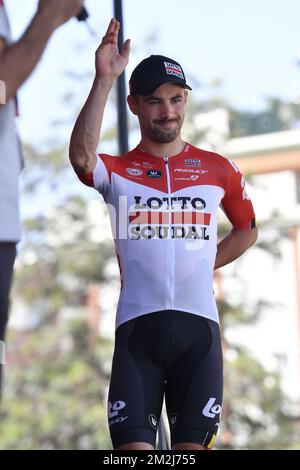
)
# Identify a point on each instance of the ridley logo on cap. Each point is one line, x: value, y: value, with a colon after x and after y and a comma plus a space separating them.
x: 173, y: 69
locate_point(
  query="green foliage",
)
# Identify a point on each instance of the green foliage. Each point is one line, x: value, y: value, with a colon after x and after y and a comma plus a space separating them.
x: 277, y: 116
x: 255, y: 415
x: 61, y: 256
x: 55, y: 390
x: 254, y: 406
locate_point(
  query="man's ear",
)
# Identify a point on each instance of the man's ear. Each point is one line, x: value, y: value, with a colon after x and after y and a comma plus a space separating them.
x: 133, y: 104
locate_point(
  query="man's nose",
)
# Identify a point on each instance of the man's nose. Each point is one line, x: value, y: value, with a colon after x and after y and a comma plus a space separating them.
x: 166, y: 110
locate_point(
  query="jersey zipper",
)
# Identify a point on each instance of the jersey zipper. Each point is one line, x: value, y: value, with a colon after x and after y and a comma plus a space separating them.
x: 171, y: 241
x: 166, y: 159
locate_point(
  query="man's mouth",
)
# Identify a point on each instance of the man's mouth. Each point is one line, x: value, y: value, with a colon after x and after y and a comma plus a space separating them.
x: 168, y: 123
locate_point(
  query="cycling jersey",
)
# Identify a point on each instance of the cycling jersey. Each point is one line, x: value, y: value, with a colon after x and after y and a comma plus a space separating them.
x: 164, y: 218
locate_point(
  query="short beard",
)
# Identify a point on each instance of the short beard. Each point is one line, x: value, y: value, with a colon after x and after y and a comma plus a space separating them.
x: 163, y: 136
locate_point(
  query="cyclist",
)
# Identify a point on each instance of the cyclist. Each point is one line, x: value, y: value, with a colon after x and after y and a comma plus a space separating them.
x: 163, y: 198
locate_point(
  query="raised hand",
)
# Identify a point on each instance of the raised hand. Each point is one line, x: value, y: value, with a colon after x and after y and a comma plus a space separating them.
x: 109, y: 62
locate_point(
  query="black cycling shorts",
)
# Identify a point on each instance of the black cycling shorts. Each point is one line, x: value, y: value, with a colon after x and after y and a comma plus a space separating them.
x: 173, y: 354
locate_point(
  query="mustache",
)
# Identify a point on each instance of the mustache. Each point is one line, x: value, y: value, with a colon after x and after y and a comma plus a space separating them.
x: 166, y: 120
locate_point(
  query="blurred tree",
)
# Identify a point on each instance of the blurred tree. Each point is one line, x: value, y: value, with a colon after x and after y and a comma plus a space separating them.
x: 255, y: 415
x: 63, y: 253
x: 55, y: 390
x: 278, y: 115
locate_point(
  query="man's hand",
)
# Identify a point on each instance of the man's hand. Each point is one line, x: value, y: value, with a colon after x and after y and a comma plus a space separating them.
x: 109, y: 65
x: 109, y: 62
x: 59, y: 11
x: 234, y: 245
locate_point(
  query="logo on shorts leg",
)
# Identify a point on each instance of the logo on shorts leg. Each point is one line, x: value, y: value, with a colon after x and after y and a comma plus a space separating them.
x: 113, y: 412
x: 153, y: 421
x: 174, y: 418
x: 211, y: 410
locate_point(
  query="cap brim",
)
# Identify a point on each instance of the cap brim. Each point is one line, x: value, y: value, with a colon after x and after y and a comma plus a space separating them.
x: 150, y: 90
x: 176, y: 82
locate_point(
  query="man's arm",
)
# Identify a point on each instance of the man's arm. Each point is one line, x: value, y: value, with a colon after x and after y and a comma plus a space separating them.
x: 234, y: 245
x: 109, y: 65
x: 18, y: 60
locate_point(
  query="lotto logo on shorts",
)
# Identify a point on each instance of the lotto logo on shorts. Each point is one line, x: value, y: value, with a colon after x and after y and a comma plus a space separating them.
x: 153, y: 420
x: 211, y: 410
x: 113, y: 412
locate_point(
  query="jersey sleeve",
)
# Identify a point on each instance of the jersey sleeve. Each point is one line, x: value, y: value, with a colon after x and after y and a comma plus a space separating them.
x: 100, y: 178
x: 236, y: 203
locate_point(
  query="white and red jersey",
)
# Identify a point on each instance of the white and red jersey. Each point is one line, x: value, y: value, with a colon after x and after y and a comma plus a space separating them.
x: 164, y: 219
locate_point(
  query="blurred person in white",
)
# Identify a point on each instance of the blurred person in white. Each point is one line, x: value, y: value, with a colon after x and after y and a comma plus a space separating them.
x: 17, y: 61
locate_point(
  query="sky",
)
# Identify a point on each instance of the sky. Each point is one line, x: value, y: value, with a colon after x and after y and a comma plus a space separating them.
x: 252, y: 46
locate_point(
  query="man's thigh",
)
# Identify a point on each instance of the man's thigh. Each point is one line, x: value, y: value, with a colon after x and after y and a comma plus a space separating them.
x: 136, y: 388
x: 194, y: 388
